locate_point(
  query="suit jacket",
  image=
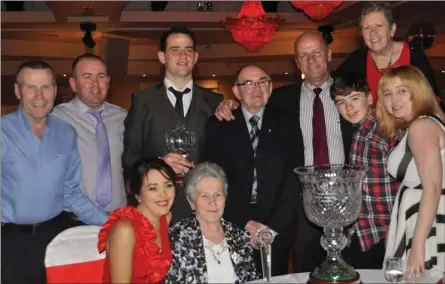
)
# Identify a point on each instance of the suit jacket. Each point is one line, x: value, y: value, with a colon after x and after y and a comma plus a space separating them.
x: 151, y: 115
x: 189, y: 263
x: 288, y: 97
x: 280, y: 150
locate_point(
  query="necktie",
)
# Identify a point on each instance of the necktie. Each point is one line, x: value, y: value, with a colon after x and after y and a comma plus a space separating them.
x: 254, y: 138
x: 103, y: 163
x: 319, y: 138
x: 179, y: 106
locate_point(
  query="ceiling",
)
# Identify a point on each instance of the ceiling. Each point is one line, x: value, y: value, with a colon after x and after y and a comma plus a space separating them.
x: 51, y: 30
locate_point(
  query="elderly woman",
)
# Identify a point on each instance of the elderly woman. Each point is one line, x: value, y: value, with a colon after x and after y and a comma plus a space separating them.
x: 417, y: 228
x: 205, y: 247
x: 381, y: 52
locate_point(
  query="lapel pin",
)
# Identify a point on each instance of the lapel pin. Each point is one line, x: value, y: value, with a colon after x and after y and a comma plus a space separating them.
x: 270, y: 130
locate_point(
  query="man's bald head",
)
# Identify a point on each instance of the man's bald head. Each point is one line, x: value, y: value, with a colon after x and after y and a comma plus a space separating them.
x: 304, y: 37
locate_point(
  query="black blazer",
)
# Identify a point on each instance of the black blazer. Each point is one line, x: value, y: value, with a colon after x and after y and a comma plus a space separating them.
x: 151, y: 115
x: 288, y: 97
x: 280, y: 150
x: 356, y: 63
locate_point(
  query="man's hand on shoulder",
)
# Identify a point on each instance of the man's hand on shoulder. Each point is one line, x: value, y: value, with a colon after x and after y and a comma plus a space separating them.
x: 225, y: 108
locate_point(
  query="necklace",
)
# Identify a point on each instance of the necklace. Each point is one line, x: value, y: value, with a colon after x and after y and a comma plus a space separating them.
x: 216, y: 250
x: 390, y: 59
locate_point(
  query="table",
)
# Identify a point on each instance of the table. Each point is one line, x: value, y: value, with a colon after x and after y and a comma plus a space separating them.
x: 367, y: 276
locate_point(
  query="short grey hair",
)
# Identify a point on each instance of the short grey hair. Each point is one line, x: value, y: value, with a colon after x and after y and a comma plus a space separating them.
x: 201, y: 171
x: 376, y: 6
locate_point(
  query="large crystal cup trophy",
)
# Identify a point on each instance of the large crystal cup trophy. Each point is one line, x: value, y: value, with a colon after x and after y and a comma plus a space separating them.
x: 332, y: 200
x: 180, y: 140
x: 264, y: 239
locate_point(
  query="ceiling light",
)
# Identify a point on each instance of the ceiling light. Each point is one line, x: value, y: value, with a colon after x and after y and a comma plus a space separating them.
x: 64, y: 75
x: 88, y: 37
x: 213, y: 75
x: 143, y: 75
x: 443, y: 71
x: 286, y: 73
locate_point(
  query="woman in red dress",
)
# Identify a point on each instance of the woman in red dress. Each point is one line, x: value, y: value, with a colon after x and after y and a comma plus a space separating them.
x: 136, y: 237
x: 381, y: 52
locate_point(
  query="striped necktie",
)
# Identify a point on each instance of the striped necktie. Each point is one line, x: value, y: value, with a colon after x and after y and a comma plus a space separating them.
x: 254, y: 137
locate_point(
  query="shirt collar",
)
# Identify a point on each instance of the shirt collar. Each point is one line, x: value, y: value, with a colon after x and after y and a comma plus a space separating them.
x: 83, y: 108
x: 325, y: 86
x: 168, y: 84
x: 369, y: 122
x: 248, y: 115
x: 24, y: 121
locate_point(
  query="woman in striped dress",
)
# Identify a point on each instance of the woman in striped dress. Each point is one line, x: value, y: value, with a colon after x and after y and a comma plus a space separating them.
x: 417, y: 228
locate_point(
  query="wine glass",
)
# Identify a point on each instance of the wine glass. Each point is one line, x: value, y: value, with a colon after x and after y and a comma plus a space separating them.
x: 394, y: 269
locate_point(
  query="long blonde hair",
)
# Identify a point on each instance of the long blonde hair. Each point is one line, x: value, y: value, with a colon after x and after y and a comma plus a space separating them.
x: 422, y: 97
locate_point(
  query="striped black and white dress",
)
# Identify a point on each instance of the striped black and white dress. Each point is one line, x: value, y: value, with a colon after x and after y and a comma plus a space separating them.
x: 401, y: 165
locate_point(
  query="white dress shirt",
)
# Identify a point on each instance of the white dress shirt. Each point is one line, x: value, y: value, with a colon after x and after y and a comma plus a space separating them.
x: 332, y: 120
x: 186, y: 98
x: 248, y: 116
x: 75, y: 112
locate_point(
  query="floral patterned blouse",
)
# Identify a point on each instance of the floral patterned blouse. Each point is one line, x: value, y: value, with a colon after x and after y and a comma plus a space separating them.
x: 189, y: 263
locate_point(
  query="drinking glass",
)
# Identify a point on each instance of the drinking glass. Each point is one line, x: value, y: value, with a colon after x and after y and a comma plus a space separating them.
x: 394, y: 269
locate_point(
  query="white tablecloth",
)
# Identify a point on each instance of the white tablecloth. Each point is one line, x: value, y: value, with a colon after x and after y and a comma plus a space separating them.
x: 366, y: 276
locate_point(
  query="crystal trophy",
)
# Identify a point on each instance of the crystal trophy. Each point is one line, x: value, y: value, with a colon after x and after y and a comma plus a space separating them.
x: 264, y: 239
x: 181, y: 141
x: 332, y: 200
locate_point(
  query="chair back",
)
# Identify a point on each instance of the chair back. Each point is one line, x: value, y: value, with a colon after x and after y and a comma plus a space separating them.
x: 72, y: 257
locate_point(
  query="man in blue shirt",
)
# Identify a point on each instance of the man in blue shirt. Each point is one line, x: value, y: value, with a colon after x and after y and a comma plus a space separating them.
x: 41, y: 173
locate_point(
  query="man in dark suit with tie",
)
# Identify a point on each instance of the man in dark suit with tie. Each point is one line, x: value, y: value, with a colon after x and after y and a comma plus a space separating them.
x: 258, y: 151
x: 327, y: 136
x: 177, y: 100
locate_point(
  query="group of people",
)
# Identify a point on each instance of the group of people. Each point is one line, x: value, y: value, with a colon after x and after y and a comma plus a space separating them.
x: 67, y: 166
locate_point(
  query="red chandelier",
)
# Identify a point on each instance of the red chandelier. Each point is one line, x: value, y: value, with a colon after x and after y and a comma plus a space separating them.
x: 252, y: 29
x: 316, y: 10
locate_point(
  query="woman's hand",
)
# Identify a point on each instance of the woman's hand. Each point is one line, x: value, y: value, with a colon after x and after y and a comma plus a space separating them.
x: 416, y: 262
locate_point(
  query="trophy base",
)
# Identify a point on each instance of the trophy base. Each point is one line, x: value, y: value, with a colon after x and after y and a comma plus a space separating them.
x: 313, y: 280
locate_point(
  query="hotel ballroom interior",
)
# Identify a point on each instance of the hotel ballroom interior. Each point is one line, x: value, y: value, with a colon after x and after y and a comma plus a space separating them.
x: 126, y: 34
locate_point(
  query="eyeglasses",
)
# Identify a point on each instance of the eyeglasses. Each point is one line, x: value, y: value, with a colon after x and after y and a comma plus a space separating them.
x: 250, y: 85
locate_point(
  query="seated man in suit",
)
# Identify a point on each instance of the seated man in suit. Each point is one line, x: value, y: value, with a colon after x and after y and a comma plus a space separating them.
x: 258, y: 151
x: 157, y: 109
